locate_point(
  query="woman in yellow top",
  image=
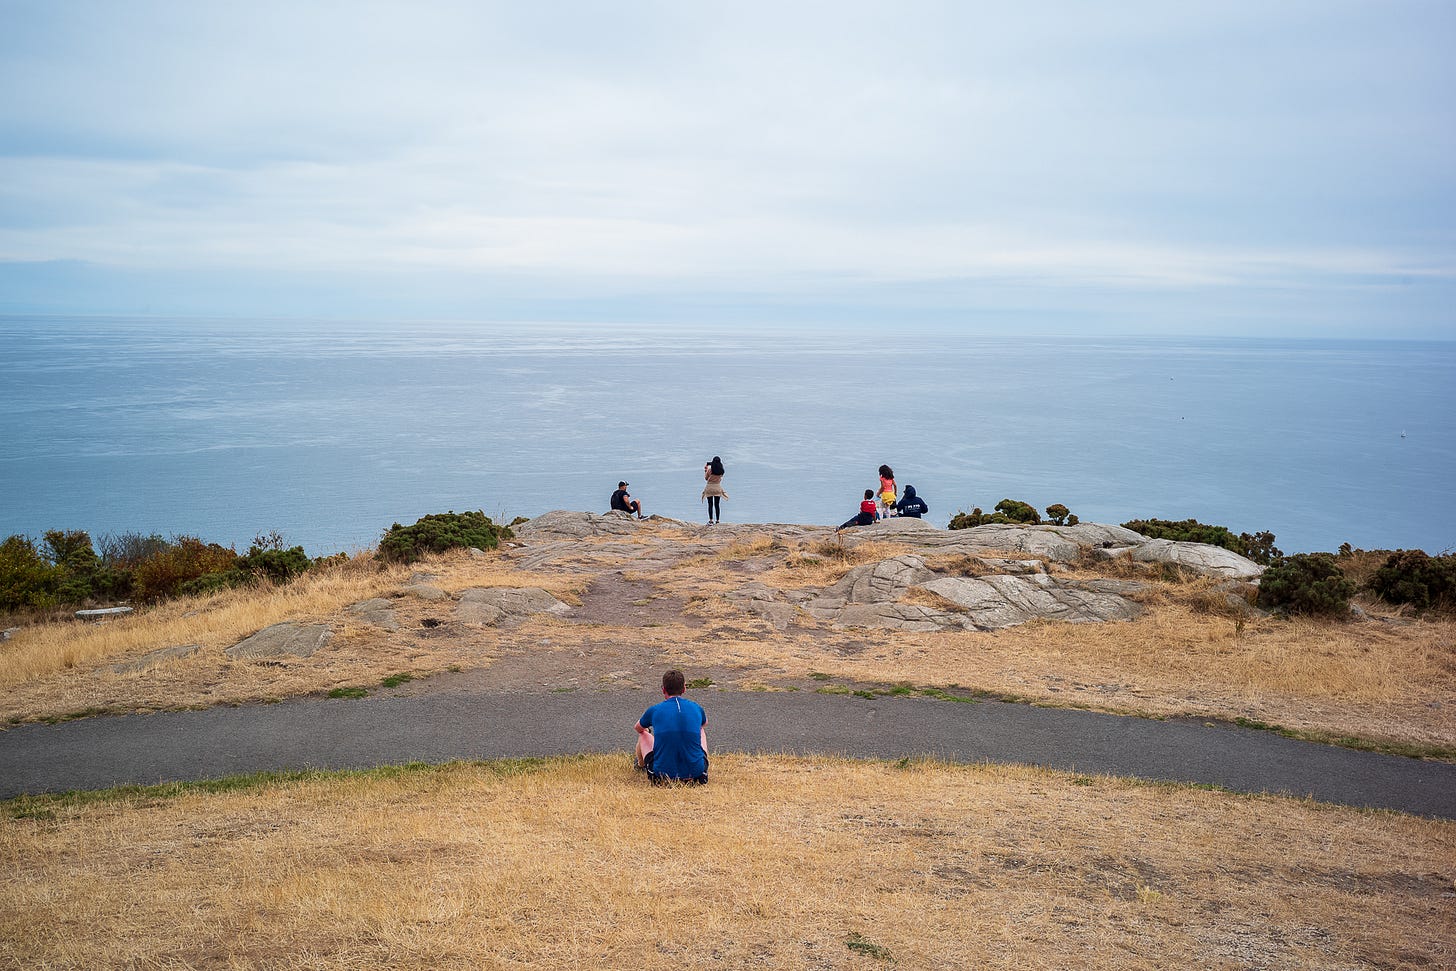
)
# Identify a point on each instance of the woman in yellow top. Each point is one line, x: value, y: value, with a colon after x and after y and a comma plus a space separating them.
x: 713, y: 491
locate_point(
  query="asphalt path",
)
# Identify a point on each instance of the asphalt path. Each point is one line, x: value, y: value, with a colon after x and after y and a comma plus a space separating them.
x: 320, y: 733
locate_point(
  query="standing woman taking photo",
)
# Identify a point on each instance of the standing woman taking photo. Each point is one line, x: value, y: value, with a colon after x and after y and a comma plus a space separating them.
x: 713, y: 491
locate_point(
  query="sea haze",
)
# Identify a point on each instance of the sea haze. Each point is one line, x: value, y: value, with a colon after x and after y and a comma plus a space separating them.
x: 330, y: 432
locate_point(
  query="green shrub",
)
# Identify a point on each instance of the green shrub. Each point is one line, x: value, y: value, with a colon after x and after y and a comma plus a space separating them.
x: 1258, y: 547
x: 1058, y: 514
x: 26, y: 579
x: 1017, y: 511
x: 1416, y: 578
x: 965, y: 520
x: 1008, y: 511
x: 269, y: 559
x: 439, y: 532
x: 1306, y: 583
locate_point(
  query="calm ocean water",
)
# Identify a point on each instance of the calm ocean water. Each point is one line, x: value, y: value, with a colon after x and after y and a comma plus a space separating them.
x: 329, y: 432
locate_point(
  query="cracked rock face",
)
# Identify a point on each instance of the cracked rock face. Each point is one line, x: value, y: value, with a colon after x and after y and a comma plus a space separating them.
x: 298, y: 640
x: 570, y: 524
x: 491, y: 605
x: 156, y: 658
x: 377, y: 612
x: 994, y: 602
x: 1201, y: 558
x: 879, y: 582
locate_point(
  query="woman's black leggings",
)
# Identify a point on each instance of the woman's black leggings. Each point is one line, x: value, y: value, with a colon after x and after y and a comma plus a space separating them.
x: 715, y: 507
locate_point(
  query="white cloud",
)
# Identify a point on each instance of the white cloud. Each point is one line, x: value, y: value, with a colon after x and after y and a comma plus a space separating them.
x: 753, y: 148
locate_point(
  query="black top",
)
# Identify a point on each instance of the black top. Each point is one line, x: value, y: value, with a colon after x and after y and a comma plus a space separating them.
x: 619, y: 500
x: 911, y: 505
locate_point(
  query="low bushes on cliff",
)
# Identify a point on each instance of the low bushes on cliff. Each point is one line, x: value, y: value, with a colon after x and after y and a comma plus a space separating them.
x: 1417, y: 578
x: 1258, y: 547
x: 1306, y: 583
x: 1013, y: 512
x: 439, y: 532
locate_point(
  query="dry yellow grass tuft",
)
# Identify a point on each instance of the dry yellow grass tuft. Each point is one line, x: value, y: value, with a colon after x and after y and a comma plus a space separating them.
x: 780, y: 862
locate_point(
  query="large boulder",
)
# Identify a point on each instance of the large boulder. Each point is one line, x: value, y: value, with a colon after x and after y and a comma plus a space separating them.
x: 377, y: 612
x: 1214, y: 561
x: 298, y: 640
x: 570, y: 524
x: 491, y: 605
x: 880, y: 582
x: 1005, y: 601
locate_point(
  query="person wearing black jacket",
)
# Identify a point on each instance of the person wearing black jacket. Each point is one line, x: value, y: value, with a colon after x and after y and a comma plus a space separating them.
x: 911, y: 504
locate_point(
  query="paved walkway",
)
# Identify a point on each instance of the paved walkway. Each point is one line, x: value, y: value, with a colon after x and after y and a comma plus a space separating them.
x: 332, y: 734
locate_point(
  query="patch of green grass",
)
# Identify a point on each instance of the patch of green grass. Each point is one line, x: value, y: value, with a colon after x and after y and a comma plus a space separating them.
x: 701, y: 683
x: 1411, y: 750
x: 834, y: 689
x: 454, y: 669
x: 395, y: 680
x: 862, y: 945
x: 820, y: 675
x: 866, y: 694
x: 940, y: 695
x: 899, y: 689
x: 792, y: 687
x: 73, y: 715
x: 348, y: 692
x: 1081, y: 780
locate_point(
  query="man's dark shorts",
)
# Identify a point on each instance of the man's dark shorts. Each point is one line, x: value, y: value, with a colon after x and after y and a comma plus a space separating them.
x: 658, y: 779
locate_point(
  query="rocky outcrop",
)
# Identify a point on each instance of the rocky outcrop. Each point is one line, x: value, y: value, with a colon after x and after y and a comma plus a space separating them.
x: 1010, y: 583
x: 569, y: 524
x: 298, y: 640
x: 377, y: 612
x: 155, y: 658
x: 487, y: 606
x: 879, y: 582
x: 1214, y: 561
x: 994, y: 602
x: 424, y: 591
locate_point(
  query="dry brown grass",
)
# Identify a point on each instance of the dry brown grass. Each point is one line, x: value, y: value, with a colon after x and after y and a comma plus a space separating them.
x: 1186, y: 655
x: 217, y: 620
x: 780, y: 862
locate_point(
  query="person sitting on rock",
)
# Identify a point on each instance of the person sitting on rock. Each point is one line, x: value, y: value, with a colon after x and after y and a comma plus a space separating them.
x: 672, y: 736
x: 911, y: 504
x: 869, y: 511
x: 622, y: 502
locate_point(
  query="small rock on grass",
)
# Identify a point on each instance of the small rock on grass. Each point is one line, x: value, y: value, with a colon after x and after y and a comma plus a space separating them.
x: 299, y: 640
x: 154, y: 658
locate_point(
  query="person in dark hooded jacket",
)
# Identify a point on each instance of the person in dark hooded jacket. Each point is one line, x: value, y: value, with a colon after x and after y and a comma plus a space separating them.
x: 911, y: 504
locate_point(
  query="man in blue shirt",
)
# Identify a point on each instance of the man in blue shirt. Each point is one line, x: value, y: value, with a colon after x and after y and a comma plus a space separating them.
x: 676, y: 748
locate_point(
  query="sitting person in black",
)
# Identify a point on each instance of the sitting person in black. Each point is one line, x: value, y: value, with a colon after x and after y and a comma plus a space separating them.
x: 622, y: 502
x: 911, y: 504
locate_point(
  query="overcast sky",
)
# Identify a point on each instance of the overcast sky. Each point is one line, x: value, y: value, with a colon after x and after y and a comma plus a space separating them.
x: 1208, y: 167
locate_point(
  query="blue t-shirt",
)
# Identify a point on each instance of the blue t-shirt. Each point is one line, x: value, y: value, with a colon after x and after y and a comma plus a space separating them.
x: 677, y: 741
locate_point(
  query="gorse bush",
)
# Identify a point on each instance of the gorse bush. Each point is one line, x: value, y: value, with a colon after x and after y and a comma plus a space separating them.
x: 1414, y: 577
x: 184, y: 559
x: 1258, y: 547
x: 439, y: 532
x: 1306, y: 583
x: 1013, y: 512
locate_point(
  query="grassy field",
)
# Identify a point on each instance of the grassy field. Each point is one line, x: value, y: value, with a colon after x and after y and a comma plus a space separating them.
x: 779, y: 862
